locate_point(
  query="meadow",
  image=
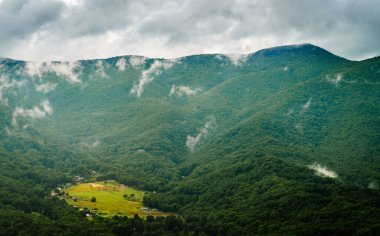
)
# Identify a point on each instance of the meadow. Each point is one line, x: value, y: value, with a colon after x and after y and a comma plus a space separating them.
x: 111, y: 198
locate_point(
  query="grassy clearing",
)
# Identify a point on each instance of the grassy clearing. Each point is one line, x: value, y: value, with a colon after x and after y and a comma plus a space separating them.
x: 112, y: 199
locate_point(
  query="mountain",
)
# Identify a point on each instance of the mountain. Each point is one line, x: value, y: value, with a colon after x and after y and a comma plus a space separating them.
x: 283, y: 140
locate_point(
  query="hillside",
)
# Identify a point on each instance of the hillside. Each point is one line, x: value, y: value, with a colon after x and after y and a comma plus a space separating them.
x: 283, y: 140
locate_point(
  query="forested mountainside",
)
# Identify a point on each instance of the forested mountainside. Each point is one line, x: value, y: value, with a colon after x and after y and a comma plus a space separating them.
x: 285, y: 140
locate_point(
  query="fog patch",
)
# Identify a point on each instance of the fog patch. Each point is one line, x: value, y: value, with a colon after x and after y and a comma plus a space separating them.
x: 290, y: 112
x: 9, y: 132
x: 6, y: 85
x: 136, y: 61
x: 335, y: 80
x: 47, y: 108
x: 299, y: 128
x: 148, y: 75
x: 121, y: 64
x: 40, y: 111
x: 64, y: 69
x: 45, y: 88
x: 219, y: 57
x: 100, y: 69
x: 180, y: 91
x: 95, y: 144
x: 307, y: 105
x: 237, y: 59
x: 323, y: 171
x: 191, y: 142
x: 34, y: 68
x: 373, y: 185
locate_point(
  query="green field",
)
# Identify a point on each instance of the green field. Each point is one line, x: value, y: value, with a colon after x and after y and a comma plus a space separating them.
x: 112, y: 199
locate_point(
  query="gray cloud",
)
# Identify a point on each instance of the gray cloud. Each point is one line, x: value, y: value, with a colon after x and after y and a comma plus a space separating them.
x: 21, y: 18
x: 73, y: 29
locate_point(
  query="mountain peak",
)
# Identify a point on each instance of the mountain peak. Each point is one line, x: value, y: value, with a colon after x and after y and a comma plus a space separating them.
x: 294, y: 49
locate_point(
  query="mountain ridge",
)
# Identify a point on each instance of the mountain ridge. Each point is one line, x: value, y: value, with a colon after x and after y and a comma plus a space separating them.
x: 274, y: 49
x: 217, y: 138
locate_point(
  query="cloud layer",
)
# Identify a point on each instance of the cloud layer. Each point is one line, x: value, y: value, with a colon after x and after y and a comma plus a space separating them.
x: 71, y: 29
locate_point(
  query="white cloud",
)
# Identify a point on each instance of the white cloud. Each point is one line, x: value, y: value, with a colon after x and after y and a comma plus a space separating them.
x: 34, y: 68
x: 136, y: 61
x: 64, y: 69
x: 6, y: 85
x: 100, y: 69
x: 237, y: 59
x: 373, y: 185
x: 219, y: 57
x: 73, y: 2
x: 290, y: 111
x: 307, y: 105
x: 47, y: 108
x: 338, y: 78
x: 40, y: 111
x: 323, y: 171
x: 120, y: 64
x: 95, y: 144
x: 45, y: 88
x: 191, y: 141
x: 147, y: 76
x: 285, y: 68
x: 184, y: 90
x: 299, y: 128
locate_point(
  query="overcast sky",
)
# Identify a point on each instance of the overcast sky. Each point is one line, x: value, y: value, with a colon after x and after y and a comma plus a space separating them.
x: 80, y: 29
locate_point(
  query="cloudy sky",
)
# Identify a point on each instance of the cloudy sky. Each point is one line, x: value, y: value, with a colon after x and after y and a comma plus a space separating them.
x: 80, y: 29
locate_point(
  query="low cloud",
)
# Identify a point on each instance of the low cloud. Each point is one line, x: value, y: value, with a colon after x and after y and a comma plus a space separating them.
x: 191, y: 142
x: 136, y: 61
x: 233, y: 58
x: 68, y: 70
x: 299, y: 128
x: 45, y: 88
x: 323, y: 171
x: 47, y: 108
x: 373, y: 185
x: 147, y: 76
x: 100, y: 69
x: 120, y: 64
x: 237, y: 59
x: 307, y: 105
x: 290, y: 112
x: 219, y: 57
x: 40, y: 111
x: 335, y: 80
x: 180, y: 91
x: 6, y: 85
x: 95, y: 144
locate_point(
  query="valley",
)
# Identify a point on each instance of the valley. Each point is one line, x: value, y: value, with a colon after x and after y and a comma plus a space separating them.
x: 284, y: 140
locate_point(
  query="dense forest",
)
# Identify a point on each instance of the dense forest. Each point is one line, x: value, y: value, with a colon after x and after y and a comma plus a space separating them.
x: 282, y: 141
